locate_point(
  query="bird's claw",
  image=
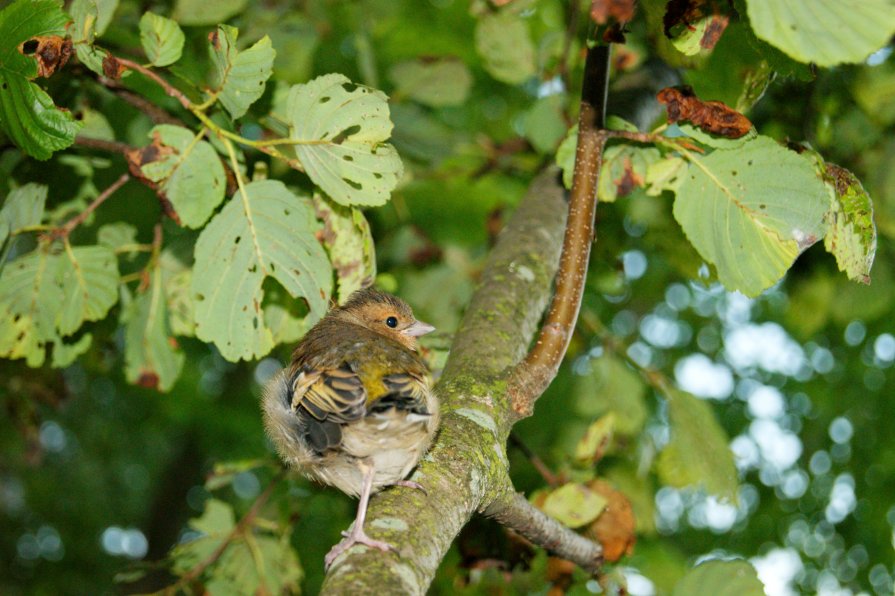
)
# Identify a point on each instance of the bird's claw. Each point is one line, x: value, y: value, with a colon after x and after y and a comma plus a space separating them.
x: 411, y: 484
x: 350, y: 539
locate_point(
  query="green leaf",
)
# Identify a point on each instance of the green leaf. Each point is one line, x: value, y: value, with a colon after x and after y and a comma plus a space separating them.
x: 700, y: 33
x: 201, y: 12
x: 117, y: 234
x: 612, y: 387
x: 826, y: 32
x: 665, y: 174
x: 64, y: 354
x: 750, y: 211
x: 23, y: 207
x: 717, y: 142
x: 698, y: 453
x: 504, y: 43
x: 341, y: 129
x: 565, y: 156
x: 162, y: 39
x: 177, y: 279
x: 347, y: 238
x: 286, y: 328
x: 851, y: 235
x: 240, y: 77
x: 435, y: 82
x: 91, y: 18
x: 27, y: 114
x: 45, y: 296
x: 188, y: 171
x: 596, y: 439
x: 544, y: 124
x: 264, y: 231
x: 151, y: 356
x: 574, y: 505
x: 721, y: 578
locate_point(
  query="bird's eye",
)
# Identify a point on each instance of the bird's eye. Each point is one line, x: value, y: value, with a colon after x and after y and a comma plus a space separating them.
x: 392, y: 322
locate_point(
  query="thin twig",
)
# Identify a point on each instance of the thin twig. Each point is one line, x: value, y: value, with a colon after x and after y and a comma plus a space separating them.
x: 154, y: 112
x: 66, y: 229
x: 546, y: 473
x: 102, y: 144
x: 237, y: 530
x: 171, y: 90
x: 533, y: 375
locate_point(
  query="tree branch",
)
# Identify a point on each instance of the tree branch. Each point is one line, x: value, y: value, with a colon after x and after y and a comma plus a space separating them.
x: 466, y: 470
x: 514, y: 511
x: 533, y: 375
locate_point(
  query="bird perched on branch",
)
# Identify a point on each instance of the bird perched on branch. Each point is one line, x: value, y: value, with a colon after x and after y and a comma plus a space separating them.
x: 354, y: 409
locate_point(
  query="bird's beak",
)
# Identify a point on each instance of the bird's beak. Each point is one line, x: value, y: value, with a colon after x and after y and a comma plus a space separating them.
x: 418, y: 328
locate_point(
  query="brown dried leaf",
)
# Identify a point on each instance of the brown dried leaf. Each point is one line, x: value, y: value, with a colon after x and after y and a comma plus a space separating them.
x: 138, y: 157
x: 711, y: 116
x: 622, y: 11
x: 614, y: 529
x: 687, y: 13
x: 112, y: 68
x: 50, y: 51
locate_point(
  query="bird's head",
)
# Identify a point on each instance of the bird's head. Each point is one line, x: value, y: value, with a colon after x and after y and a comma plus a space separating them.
x: 384, y: 314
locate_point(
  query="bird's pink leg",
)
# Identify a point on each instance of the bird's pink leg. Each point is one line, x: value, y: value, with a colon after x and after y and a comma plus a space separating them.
x: 357, y: 534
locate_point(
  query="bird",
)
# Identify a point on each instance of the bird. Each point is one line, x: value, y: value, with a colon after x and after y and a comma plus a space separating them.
x: 354, y: 409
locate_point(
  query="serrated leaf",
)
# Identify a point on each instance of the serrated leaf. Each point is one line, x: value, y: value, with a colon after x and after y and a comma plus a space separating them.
x: 162, y: 39
x: 435, y: 82
x: 152, y: 357
x: 750, y: 211
x: 574, y: 505
x: 64, y: 354
x: 698, y: 453
x: 188, y: 171
x: 201, y: 12
x: 721, y: 578
x: 504, y: 43
x: 27, y: 114
x: 240, y: 77
x: 717, y: 142
x: 596, y: 439
x: 851, y: 233
x: 45, y: 296
x: 825, y: 32
x: 285, y: 327
x: 23, y: 207
x: 264, y: 231
x: 612, y: 387
x: 349, y: 242
x: 340, y: 129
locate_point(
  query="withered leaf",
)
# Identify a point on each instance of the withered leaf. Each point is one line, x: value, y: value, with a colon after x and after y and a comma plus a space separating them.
x: 138, y: 157
x: 50, y: 51
x: 713, y: 117
x: 614, y: 529
x: 684, y: 13
x: 112, y: 68
x: 602, y: 11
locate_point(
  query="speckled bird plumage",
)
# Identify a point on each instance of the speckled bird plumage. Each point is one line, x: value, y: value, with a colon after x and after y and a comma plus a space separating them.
x: 355, y: 400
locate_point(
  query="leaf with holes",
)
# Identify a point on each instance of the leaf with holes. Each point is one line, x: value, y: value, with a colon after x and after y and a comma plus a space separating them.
x: 187, y: 169
x: 750, y: 211
x: 239, y: 77
x: 698, y: 453
x: 624, y: 170
x: 27, y: 114
x: 162, y: 39
x: 24, y: 206
x: 152, y: 357
x: 825, y: 32
x: 264, y: 231
x: 45, y: 296
x: 347, y: 238
x: 851, y: 235
x: 340, y: 131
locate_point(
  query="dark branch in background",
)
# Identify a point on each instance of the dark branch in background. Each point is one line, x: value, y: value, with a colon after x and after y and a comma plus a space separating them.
x: 103, y: 145
x: 64, y: 230
x: 533, y: 375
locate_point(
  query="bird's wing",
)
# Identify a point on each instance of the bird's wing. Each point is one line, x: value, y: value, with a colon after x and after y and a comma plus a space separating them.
x: 404, y: 391
x: 334, y: 394
x: 324, y: 400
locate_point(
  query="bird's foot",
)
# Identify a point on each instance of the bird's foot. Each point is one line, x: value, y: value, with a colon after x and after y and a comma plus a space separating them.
x: 410, y: 484
x: 355, y: 536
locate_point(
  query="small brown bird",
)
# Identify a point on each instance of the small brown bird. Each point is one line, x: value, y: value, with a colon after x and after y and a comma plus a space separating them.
x: 355, y: 409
